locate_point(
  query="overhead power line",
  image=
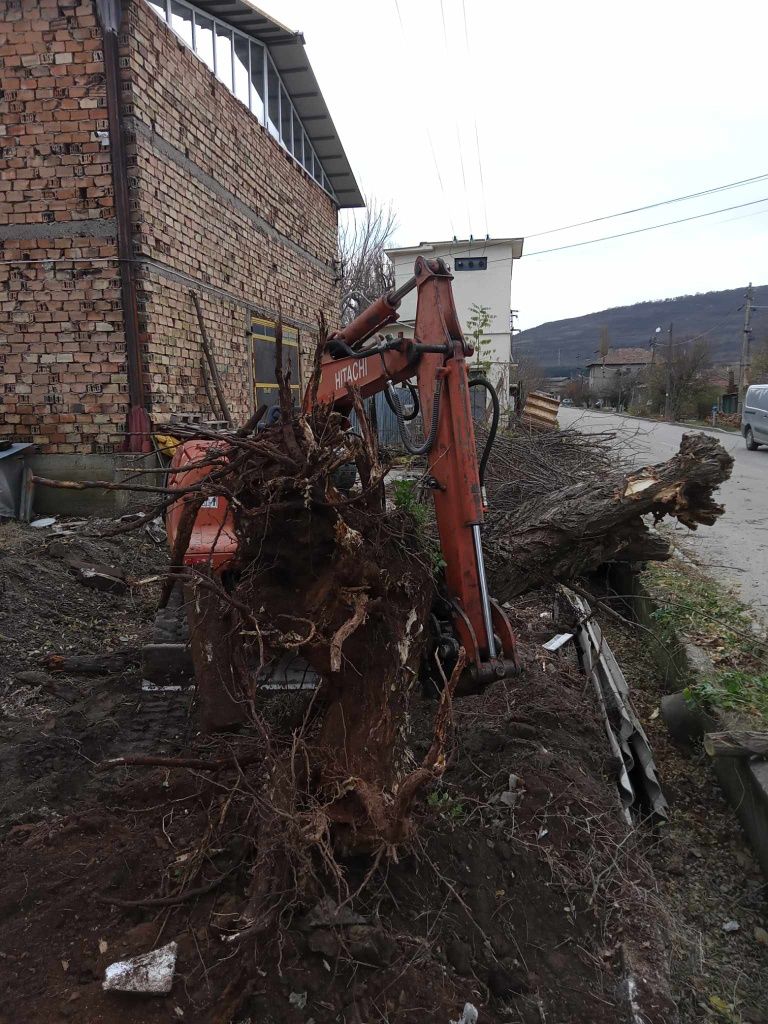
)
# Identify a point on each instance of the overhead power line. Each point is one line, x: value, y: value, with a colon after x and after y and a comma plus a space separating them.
x: 428, y: 132
x: 637, y: 231
x: 651, y: 227
x: 474, y: 114
x: 456, y: 122
x: 651, y: 206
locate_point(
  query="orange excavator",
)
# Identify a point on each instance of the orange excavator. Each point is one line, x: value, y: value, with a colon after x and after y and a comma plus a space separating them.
x: 363, y: 356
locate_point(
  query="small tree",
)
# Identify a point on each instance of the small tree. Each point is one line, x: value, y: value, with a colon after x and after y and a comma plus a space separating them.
x: 620, y: 387
x: 530, y: 375
x: 686, y: 382
x: 577, y: 390
x: 759, y: 367
x: 478, y: 325
x: 366, y: 272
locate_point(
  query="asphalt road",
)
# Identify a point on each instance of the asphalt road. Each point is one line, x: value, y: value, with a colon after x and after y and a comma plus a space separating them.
x: 736, y: 547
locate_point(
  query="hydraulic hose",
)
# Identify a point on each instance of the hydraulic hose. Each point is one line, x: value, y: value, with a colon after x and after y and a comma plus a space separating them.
x: 414, y: 396
x: 408, y: 444
x: 481, y: 382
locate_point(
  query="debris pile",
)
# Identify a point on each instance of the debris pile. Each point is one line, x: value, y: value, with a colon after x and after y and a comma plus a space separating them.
x: 291, y: 825
x: 563, y: 505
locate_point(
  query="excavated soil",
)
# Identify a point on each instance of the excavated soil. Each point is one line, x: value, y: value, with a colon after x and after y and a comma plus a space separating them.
x: 523, y: 892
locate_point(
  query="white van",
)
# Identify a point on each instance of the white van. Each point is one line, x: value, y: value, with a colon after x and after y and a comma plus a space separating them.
x: 754, y: 416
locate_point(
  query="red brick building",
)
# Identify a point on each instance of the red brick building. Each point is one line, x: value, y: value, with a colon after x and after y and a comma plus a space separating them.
x: 225, y: 178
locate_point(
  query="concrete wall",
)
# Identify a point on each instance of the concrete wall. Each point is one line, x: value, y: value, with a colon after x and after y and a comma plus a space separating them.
x: 604, y: 378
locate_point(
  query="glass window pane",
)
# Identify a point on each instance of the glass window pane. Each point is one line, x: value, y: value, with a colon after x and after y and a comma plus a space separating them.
x: 273, y: 99
x: 158, y: 6
x: 181, y: 21
x: 317, y: 170
x: 285, y: 120
x: 204, y: 39
x: 257, y: 81
x: 224, y: 55
x: 298, y: 145
x: 241, y: 69
x: 264, y: 358
x: 307, y: 157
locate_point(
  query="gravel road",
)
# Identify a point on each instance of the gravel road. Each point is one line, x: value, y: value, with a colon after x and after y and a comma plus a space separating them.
x: 736, y: 547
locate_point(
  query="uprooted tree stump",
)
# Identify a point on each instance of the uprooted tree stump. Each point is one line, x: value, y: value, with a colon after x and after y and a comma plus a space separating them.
x: 335, y: 578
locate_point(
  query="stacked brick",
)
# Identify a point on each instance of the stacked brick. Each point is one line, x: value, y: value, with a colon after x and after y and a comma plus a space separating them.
x: 217, y: 206
x: 62, y: 351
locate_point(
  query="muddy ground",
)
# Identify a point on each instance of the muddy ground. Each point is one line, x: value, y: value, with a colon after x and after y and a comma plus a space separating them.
x: 538, y: 905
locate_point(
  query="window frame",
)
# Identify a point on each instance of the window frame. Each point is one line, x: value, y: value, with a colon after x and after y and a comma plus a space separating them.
x: 309, y: 157
x: 482, y: 262
x: 262, y: 330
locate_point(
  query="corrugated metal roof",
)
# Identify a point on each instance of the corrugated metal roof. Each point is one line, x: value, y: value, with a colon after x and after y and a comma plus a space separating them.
x: 286, y: 48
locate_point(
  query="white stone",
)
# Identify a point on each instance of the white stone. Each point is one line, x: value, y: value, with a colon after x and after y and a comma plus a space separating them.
x: 150, y: 974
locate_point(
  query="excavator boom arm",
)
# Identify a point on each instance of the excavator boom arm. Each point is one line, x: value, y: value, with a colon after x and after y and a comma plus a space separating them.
x: 436, y: 359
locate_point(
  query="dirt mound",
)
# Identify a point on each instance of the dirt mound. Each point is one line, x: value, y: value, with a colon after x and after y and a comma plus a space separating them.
x: 53, y: 726
x: 524, y: 893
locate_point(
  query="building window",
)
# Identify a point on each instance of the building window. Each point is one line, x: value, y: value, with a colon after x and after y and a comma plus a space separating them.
x: 242, y: 77
x: 273, y: 100
x: 204, y: 40
x: 241, y: 63
x: 224, y: 55
x: 263, y: 361
x: 257, y: 80
x: 181, y: 21
x: 471, y: 263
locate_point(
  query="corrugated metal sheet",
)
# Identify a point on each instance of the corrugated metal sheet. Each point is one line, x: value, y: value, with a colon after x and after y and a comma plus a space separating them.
x: 540, y: 410
x: 634, y: 758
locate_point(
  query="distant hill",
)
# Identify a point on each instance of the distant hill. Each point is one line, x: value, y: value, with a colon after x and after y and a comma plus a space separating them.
x: 563, y: 345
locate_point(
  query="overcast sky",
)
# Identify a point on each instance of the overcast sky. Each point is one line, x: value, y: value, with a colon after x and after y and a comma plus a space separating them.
x: 582, y: 109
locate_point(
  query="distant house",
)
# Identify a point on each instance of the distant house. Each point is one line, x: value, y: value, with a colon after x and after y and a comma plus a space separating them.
x: 482, y: 276
x: 724, y: 378
x: 607, y: 373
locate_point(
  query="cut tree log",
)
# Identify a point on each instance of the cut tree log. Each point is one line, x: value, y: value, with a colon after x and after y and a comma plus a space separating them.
x: 736, y: 744
x: 561, y: 534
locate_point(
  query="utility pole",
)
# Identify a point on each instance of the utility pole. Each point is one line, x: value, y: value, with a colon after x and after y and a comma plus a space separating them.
x: 668, y: 412
x: 745, y: 346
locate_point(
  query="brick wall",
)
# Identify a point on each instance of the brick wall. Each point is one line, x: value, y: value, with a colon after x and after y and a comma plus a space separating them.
x: 217, y: 206
x: 62, y: 379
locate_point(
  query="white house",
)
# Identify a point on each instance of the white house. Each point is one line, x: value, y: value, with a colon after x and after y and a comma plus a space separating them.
x: 482, y: 276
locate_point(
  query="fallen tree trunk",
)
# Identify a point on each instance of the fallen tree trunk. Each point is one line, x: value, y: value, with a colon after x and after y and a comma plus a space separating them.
x: 561, y: 534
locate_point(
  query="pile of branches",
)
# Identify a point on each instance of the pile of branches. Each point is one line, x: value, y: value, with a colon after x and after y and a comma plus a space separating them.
x: 527, y: 463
